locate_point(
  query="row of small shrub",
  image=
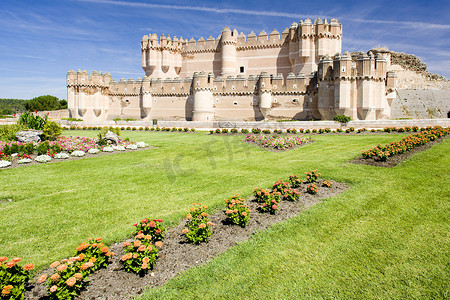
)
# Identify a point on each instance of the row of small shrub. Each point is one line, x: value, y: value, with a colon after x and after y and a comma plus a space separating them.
x: 198, y: 225
x: 319, y: 131
x: 146, y: 128
x: 382, y: 153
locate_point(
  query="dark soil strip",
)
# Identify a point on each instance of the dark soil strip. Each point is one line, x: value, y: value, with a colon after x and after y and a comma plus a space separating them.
x: 396, y: 159
x: 177, y: 256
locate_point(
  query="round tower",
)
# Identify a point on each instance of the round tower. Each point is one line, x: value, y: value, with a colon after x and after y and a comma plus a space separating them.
x: 228, y: 43
x: 203, y: 109
x: 265, y: 94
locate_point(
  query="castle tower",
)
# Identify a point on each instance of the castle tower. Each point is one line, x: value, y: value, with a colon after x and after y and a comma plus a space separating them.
x: 146, y: 98
x: 265, y: 94
x: 203, y: 109
x: 344, y: 103
x: 228, y: 42
x: 72, y: 94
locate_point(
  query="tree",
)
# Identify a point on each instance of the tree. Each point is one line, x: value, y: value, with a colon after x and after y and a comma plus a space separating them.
x: 46, y: 102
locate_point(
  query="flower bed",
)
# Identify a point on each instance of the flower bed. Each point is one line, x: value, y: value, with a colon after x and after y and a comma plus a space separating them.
x: 382, y: 153
x: 277, y: 142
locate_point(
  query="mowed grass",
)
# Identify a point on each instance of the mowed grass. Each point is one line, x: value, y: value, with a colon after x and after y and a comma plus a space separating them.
x: 387, y: 237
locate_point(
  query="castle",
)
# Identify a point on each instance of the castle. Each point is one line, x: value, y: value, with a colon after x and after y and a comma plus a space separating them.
x: 299, y: 74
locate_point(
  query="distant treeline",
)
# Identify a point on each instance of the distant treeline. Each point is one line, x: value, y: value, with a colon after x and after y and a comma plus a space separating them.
x: 41, y: 103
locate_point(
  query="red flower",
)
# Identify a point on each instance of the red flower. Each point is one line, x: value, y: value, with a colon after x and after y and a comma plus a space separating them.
x: 158, y: 231
x: 152, y: 224
x: 274, y: 207
x: 158, y: 220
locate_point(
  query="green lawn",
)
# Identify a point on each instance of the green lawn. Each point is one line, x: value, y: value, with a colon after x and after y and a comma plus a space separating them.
x: 387, y: 237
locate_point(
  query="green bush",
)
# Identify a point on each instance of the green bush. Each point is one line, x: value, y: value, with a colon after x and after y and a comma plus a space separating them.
x: 341, y: 118
x: 32, y: 121
x: 8, y: 132
x: 52, y: 130
x: 43, y: 147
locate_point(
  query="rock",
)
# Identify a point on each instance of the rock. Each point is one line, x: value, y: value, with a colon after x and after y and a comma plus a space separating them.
x: 27, y: 136
x: 111, y: 136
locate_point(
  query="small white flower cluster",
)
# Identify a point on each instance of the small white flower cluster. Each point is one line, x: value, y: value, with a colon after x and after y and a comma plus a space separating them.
x: 78, y: 153
x: 14, y: 155
x: 132, y: 147
x: 141, y: 145
x: 43, y: 158
x: 24, y: 161
x: 61, y: 155
x: 118, y: 148
x: 108, y: 149
x: 4, y: 163
x: 93, y: 151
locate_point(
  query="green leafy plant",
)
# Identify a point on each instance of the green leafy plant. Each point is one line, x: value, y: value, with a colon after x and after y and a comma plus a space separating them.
x: 43, y: 148
x: 312, y: 176
x: 243, y: 130
x: 290, y: 194
x: 237, y: 211
x: 13, y: 278
x: 32, y: 121
x: 271, y: 203
x: 8, y: 132
x: 139, y: 256
x: 198, y: 224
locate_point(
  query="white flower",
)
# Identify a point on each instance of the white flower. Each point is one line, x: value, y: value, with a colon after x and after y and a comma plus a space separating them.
x: 78, y: 153
x: 141, y: 145
x: 24, y: 161
x: 107, y: 149
x: 43, y: 158
x: 132, y: 147
x: 61, y: 155
x: 118, y: 148
x: 14, y: 155
x: 93, y: 151
x: 4, y: 163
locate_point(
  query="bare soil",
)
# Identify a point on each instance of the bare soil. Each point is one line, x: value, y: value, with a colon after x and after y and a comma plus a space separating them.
x: 177, y: 255
x: 396, y: 159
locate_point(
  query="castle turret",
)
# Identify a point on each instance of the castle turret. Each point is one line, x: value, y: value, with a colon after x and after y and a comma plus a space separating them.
x: 265, y: 94
x: 146, y: 98
x: 228, y: 42
x: 203, y: 109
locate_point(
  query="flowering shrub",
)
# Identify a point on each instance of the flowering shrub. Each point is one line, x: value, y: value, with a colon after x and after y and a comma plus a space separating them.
x: 108, y: 149
x: 243, y: 130
x: 70, y: 275
x: 24, y: 160
x: 4, y: 163
x: 312, y: 189
x: 78, y: 153
x: 256, y: 130
x: 93, y: 151
x: 261, y: 195
x: 237, y: 211
x: 294, y: 181
x: 291, y: 194
x: 43, y: 158
x: 327, y: 183
x: 62, y: 155
x: 154, y: 229
x: 132, y: 147
x: 141, y: 145
x: 13, y: 278
x: 140, y: 256
x: 382, y: 153
x: 279, y: 143
x: 280, y: 185
x: 72, y: 143
x: 269, y: 201
x: 118, y: 148
x: 312, y: 176
x: 197, y: 230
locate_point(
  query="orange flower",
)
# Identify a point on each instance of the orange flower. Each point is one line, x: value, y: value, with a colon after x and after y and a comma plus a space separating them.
x: 28, y: 267
x: 135, y: 255
x: 61, y: 268
x: 78, y: 276
x: 126, y: 244
x: 228, y: 211
x: 86, y: 265
x: 188, y: 216
x: 104, y: 249
x: 148, y: 237
x: 204, y: 214
x: 144, y: 266
x: 185, y: 230
x: 81, y: 256
x: 92, y: 259
x: 10, y: 264
x: 141, y: 248
x: 205, y: 207
x: 137, y: 243
x: 16, y: 259
x: 244, y: 214
x: 99, y: 239
x: 149, y: 248
x: 124, y: 257
x: 139, y: 236
x: 64, y: 260
x: 53, y: 289
x: 55, y: 277
x: 202, y: 225
x: 192, y: 209
x: 145, y: 260
x: 71, y: 281
x: 42, y: 278
x: 3, y: 258
x: 158, y: 244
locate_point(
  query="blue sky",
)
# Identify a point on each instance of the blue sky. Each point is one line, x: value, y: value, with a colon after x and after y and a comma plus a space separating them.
x: 41, y: 40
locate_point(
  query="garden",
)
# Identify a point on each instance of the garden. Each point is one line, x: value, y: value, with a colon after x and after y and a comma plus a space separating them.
x: 209, y: 215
